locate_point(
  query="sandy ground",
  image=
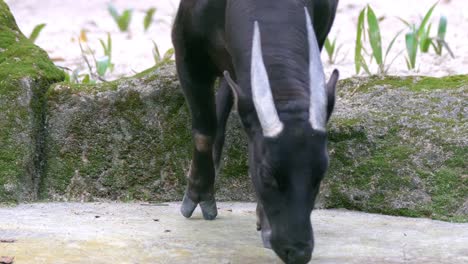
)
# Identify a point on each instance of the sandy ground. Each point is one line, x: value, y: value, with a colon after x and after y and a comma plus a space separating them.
x: 157, y: 233
x: 132, y: 51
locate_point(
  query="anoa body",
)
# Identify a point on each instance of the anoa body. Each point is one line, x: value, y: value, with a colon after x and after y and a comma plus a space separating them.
x: 266, y: 55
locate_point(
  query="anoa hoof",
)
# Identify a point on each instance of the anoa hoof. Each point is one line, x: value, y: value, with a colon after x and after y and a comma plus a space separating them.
x: 187, y: 207
x: 209, y: 209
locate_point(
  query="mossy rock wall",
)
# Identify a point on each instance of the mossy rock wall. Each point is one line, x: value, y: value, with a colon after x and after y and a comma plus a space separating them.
x: 397, y: 145
x: 128, y: 139
x: 25, y: 75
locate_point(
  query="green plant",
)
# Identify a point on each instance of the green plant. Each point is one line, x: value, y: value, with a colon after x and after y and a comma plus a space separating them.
x: 74, y: 77
x: 412, y: 49
x: 148, y: 18
x: 71, y: 76
x: 101, y: 64
x: 421, y: 32
x: 332, y: 50
x: 375, y: 41
x: 36, y: 31
x: 419, y: 36
x: 123, y: 20
x: 107, y: 48
x: 160, y: 60
x: 440, y: 40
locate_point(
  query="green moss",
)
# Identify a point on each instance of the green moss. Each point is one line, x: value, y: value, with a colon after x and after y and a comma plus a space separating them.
x: 394, y: 158
x: 25, y: 74
x: 123, y: 144
x: 413, y: 83
x: 6, y: 18
x: 448, y: 184
x: 370, y: 180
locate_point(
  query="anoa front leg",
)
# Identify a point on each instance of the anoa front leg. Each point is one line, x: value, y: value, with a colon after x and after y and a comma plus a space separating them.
x: 197, y: 85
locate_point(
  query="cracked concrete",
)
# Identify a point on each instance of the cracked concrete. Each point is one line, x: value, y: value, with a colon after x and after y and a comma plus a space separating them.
x: 157, y: 233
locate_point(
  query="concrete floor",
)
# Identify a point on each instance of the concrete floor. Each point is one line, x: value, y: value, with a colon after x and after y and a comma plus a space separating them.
x: 157, y: 233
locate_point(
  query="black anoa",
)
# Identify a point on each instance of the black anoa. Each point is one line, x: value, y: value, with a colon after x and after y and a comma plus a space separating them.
x: 266, y: 54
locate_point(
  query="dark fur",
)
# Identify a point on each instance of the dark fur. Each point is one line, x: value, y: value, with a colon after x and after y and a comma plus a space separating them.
x: 213, y: 36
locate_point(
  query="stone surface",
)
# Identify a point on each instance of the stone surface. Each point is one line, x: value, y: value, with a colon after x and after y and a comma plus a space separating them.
x: 157, y: 233
x: 25, y: 75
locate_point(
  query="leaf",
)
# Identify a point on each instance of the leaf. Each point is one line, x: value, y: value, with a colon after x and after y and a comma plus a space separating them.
x: 86, y: 79
x: 411, y: 48
x: 104, y: 47
x: 156, y: 54
x: 374, y: 35
x: 36, y: 31
x: 446, y: 46
x: 148, y: 18
x: 441, y: 31
x: 425, y: 40
x: 408, y: 64
x: 168, y: 55
x: 124, y: 20
x: 405, y: 22
x: 337, y: 51
x: 364, y: 66
x: 107, y: 47
x: 113, y: 12
x: 109, y: 44
x: 102, y: 65
x: 391, y: 44
x: 330, y: 49
x: 383, y: 69
x: 358, y: 48
x: 426, y: 18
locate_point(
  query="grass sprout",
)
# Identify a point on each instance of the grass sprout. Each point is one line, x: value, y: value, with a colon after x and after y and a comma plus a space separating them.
x: 122, y: 20
x: 107, y: 48
x: 102, y: 64
x: 440, y: 42
x: 36, y: 31
x: 165, y: 58
x: 148, y: 18
x: 332, y: 50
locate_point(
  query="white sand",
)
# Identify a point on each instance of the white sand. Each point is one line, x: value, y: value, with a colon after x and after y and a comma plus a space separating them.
x: 132, y: 52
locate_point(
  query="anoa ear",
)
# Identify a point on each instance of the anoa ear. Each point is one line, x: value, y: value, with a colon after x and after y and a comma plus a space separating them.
x: 331, y: 91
